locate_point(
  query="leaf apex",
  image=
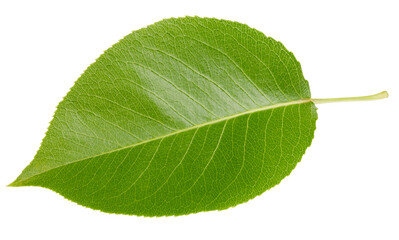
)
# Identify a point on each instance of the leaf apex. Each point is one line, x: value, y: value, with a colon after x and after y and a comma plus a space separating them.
x: 16, y: 183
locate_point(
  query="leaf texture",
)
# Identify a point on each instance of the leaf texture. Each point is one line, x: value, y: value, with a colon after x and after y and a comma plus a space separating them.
x: 187, y: 115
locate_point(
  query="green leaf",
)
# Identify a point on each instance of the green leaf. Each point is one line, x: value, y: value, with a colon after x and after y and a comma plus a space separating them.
x: 187, y: 115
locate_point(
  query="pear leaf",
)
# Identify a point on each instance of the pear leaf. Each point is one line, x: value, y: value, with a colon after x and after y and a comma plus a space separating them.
x: 186, y: 115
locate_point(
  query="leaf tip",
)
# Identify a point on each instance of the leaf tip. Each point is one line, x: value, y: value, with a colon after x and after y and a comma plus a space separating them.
x: 16, y: 183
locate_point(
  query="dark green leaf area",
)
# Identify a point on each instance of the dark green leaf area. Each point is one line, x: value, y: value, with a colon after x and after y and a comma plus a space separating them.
x: 212, y: 167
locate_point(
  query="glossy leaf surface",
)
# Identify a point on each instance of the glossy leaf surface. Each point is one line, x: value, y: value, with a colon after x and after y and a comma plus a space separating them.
x: 187, y: 115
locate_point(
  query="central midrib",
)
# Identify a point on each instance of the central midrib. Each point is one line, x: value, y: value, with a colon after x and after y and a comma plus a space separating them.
x: 300, y: 101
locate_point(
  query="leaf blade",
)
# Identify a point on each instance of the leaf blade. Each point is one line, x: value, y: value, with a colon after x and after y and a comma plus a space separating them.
x: 103, y: 122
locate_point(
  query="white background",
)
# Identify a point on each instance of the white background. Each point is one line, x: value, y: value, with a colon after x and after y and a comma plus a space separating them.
x: 347, y: 184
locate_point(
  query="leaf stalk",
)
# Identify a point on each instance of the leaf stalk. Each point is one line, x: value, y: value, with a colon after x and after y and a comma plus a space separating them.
x: 378, y: 96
